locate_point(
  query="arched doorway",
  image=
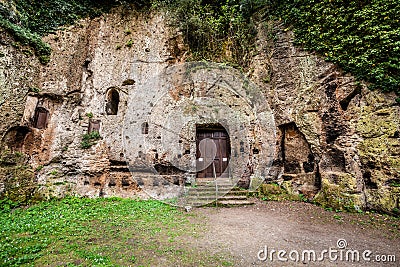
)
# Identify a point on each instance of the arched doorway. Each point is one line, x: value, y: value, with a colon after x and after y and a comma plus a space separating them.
x: 145, y: 128
x: 212, y: 151
x: 15, y: 137
x: 112, y: 102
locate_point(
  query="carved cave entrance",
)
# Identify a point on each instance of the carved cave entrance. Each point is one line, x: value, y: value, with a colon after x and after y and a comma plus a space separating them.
x: 112, y: 102
x: 212, y: 151
x: 15, y: 138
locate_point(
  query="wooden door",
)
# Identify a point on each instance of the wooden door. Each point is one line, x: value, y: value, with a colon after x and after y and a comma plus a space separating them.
x: 40, y: 118
x: 94, y: 126
x: 212, y: 153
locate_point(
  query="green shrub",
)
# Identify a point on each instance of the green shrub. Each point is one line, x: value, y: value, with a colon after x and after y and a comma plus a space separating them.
x: 30, y: 20
x: 34, y: 89
x: 90, y: 139
x: 53, y: 172
x: 6, y: 205
x: 39, y: 168
x: 24, y: 36
x: 129, y: 43
x: 220, y: 31
x: 362, y: 37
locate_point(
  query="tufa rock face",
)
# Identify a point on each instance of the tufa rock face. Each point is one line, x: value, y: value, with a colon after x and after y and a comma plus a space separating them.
x: 18, y: 181
x: 351, y: 133
x: 332, y: 140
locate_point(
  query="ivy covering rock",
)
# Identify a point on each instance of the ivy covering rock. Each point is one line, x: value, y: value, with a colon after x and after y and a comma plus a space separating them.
x: 362, y: 37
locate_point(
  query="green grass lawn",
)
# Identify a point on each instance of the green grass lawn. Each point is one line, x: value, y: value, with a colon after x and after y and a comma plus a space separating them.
x: 101, y: 232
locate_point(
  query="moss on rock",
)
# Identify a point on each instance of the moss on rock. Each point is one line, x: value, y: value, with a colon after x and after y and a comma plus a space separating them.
x: 379, y: 123
x: 17, y: 178
x: 379, y: 152
x: 276, y: 192
x: 336, y: 196
x: 385, y: 199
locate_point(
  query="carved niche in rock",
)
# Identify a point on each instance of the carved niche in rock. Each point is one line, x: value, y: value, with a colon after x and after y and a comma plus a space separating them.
x: 296, y: 153
x: 112, y: 102
x: 15, y: 137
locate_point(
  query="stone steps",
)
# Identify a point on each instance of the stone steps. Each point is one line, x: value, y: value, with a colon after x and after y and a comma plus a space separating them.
x: 220, y: 202
x: 226, y: 197
x: 219, y: 192
x: 212, y: 181
x: 119, y: 168
x: 232, y: 203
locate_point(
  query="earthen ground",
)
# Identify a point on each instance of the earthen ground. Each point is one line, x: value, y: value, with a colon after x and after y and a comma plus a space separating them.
x: 242, y: 232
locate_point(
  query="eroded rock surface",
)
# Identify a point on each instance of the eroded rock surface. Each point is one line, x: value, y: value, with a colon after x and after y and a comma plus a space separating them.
x: 333, y: 140
x: 349, y: 132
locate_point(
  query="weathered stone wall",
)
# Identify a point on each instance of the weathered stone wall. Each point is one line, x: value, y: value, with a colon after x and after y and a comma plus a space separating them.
x: 334, y: 141
x: 187, y: 96
x: 88, y: 60
x: 113, y: 52
x: 18, y: 73
x: 138, y: 59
